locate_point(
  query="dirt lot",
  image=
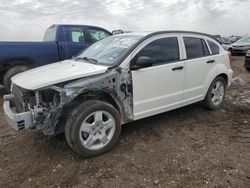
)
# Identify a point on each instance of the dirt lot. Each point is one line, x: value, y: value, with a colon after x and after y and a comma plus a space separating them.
x: 188, y: 147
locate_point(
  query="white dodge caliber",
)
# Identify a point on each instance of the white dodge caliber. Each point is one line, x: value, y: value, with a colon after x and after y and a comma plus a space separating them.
x: 117, y: 80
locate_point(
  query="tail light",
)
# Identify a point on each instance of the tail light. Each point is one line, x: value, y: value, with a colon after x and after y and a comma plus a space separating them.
x: 230, y: 58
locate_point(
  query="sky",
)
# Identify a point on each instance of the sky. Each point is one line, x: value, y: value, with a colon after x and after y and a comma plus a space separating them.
x: 27, y: 20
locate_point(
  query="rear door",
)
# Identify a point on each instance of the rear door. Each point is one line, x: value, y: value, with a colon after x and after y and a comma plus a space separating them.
x: 158, y: 88
x: 199, y: 62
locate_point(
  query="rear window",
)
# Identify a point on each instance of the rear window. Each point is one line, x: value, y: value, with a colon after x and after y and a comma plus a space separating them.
x: 194, y: 47
x: 50, y: 34
x: 96, y: 34
x: 77, y: 35
x: 215, y: 49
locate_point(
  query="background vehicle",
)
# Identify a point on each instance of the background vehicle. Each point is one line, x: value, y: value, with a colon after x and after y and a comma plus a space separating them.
x: 225, y: 43
x: 60, y: 42
x: 234, y: 38
x: 247, y: 61
x: 241, y: 46
x: 118, y: 80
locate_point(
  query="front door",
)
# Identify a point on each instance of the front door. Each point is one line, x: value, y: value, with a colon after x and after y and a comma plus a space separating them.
x: 158, y: 88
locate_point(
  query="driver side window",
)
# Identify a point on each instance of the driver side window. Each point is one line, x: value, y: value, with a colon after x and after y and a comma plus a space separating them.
x: 162, y: 51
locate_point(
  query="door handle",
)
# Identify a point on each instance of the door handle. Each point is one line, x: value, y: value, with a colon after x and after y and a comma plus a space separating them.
x: 211, y: 61
x: 177, y: 68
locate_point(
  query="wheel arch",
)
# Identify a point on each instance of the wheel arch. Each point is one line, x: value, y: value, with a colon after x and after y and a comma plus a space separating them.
x: 225, y: 76
x: 17, y: 61
x: 218, y: 70
x: 101, y: 95
x: 212, y: 78
x: 9, y: 63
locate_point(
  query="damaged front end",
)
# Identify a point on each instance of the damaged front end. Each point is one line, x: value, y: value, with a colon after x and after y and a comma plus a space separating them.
x: 24, y: 109
x: 42, y: 109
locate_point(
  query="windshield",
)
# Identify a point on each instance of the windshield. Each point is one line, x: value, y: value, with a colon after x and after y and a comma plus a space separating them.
x: 244, y: 39
x: 109, y: 50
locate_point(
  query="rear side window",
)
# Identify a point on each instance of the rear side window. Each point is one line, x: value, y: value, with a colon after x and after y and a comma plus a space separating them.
x: 195, y: 47
x: 215, y: 49
x: 163, y: 50
x: 77, y: 35
x: 50, y: 34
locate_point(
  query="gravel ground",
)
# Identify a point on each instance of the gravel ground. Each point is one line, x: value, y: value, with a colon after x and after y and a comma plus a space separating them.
x: 188, y: 147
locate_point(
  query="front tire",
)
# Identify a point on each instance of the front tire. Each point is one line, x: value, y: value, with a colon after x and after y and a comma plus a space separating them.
x: 248, y: 69
x: 93, y: 128
x: 215, y: 94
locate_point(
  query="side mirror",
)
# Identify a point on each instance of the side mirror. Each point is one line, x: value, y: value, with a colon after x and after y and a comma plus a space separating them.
x: 142, y: 62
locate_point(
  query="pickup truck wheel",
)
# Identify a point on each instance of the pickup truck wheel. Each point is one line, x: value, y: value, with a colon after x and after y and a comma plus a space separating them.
x: 215, y: 94
x: 93, y: 128
x: 10, y: 73
x: 248, y: 69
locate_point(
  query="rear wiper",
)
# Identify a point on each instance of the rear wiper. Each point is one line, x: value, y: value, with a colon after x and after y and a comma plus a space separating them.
x: 91, y: 60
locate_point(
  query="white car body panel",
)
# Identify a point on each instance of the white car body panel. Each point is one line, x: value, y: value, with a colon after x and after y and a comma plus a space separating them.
x: 56, y: 73
x: 196, y: 73
x: 150, y: 97
x: 153, y: 88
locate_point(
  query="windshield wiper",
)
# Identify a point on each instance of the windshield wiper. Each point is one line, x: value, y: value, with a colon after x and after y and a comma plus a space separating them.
x: 91, y: 60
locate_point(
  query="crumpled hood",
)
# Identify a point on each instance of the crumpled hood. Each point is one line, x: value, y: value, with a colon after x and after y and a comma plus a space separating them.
x: 56, y: 73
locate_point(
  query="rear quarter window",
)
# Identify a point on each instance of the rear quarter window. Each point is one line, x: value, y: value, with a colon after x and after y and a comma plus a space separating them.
x: 215, y: 49
x: 50, y: 34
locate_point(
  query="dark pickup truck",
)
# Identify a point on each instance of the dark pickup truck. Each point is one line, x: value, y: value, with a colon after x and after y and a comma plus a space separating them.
x: 60, y: 42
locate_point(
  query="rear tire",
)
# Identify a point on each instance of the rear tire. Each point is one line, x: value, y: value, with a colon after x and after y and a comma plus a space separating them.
x: 248, y: 69
x: 93, y: 128
x: 215, y: 94
x: 10, y: 73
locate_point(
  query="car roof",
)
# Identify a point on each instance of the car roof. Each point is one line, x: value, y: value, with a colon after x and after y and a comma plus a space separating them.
x: 77, y: 25
x: 148, y: 34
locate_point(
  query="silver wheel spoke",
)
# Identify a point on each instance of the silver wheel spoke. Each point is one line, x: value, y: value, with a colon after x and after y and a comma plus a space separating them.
x: 86, y: 127
x: 214, y: 99
x: 213, y: 91
x: 217, y: 85
x: 98, y: 116
x: 104, y: 139
x: 91, y: 140
x: 108, y: 124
